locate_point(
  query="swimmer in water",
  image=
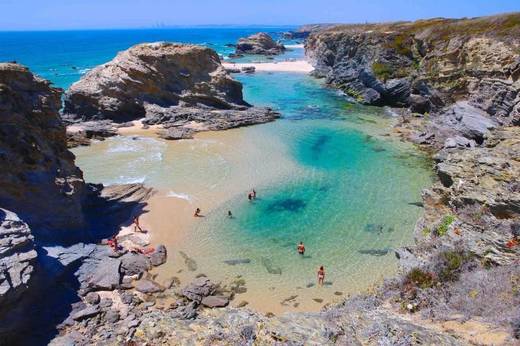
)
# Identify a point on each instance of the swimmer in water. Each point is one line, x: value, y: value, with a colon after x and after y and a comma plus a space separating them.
x: 321, y: 276
x: 301, y: 249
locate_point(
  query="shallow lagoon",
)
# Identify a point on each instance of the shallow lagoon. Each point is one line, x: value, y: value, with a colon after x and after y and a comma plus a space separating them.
x: 327, y: 174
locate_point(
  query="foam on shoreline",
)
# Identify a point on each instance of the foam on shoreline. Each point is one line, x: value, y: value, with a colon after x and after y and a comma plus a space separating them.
x: 282, y: 66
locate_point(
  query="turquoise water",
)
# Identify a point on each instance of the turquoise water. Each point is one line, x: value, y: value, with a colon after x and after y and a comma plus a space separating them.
x: 327, y: 173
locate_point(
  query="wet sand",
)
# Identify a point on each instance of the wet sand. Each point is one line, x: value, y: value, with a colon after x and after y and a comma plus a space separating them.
x: 282, y: 66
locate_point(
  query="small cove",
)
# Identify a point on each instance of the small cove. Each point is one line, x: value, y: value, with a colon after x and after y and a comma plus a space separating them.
x: 327, y: 174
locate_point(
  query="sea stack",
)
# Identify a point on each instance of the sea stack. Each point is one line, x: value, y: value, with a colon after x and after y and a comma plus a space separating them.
x: 260, y: 43
x: 180, y: 86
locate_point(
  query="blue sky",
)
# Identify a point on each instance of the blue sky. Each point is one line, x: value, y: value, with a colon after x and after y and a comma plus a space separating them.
x: 84, y: 14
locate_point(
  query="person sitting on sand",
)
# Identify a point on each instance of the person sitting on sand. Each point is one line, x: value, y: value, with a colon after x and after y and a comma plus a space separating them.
x: 321, y: 276
x: 136, y: 225
x: 301, y: 249
x: 197, y: 212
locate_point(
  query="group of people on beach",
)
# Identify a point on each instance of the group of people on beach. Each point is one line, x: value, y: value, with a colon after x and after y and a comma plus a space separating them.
x: 300, y: 248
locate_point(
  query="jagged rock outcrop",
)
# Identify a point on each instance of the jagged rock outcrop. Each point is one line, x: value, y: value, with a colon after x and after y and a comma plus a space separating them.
x: 260, y: 43
x: 426, y: 64
x: 39, y: 180
x: 17, y: 257
x: 182, y: 85
x: 305, y: 30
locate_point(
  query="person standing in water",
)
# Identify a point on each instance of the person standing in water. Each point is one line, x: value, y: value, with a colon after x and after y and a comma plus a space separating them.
x: 229, y: 214
x: 321, y: 276
x: 254, y: 194
x: 197, y: 212
x: 136, y: 225
x: 250, y: 196
x: 301, y: 249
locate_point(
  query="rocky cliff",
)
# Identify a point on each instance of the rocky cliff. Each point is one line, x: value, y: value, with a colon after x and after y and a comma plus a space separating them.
x: 456, y: 85
x: 39, y: 179
x: 425, y: 64
x: 183, y: 87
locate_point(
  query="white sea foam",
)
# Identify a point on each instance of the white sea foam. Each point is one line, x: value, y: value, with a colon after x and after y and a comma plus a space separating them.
x: 179, y: 195
x: 293, y: 46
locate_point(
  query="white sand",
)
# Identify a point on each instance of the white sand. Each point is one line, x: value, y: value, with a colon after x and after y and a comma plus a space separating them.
x: 282, y: 66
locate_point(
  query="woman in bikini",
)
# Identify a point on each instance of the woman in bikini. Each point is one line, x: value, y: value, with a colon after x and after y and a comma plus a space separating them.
x: 321, y: 276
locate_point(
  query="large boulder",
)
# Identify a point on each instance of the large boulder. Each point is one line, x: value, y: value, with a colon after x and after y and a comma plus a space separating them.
x: 162, y: 74
x: 260, y: 43
x: 39, y: 180
x: 17, y: 257
x: 198, y: 289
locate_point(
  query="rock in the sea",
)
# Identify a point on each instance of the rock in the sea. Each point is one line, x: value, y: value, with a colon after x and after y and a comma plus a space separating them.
x: 17, y: 257
x: 39, y: 180
x: 158, y: 257
x: 260, y: 43
x: 198, y: 289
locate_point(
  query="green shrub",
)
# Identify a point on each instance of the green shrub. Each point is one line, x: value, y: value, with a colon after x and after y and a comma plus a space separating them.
x: 442, y: 229
x: 420, y: 278
x: 381, y: 71
x: 401, y: 44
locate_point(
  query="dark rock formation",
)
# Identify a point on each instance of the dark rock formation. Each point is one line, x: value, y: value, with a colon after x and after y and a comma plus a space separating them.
x: 17, y: 257
x: 260, y: 43
x: 425, y: 64
x: 39, y: 180
x: 184, y: 85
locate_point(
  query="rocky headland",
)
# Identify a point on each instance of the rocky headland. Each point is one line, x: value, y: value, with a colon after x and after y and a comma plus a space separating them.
x: 181, y: 87
x: 260, y: 43
x: 52, y: 223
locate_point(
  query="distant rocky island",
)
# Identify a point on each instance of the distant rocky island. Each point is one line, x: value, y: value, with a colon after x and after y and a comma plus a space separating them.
x: 454, y: 85
x: 260, y: 44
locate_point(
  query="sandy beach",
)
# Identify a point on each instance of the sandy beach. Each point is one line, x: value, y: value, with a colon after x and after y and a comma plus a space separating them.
x: 282, y: 66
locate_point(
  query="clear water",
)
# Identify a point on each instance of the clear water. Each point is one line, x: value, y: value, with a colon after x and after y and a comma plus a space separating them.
x: 327, y: 174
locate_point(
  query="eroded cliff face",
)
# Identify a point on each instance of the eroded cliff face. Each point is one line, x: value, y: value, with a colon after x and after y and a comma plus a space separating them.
x: 426, y: 64
x: 39, y: 180
x: 161, y: 74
